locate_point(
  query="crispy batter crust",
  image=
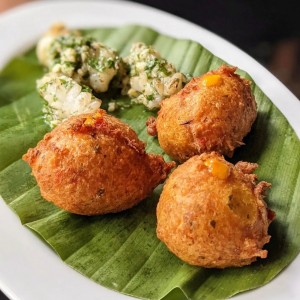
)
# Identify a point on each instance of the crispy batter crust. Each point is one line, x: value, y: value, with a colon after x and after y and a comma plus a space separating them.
x: 212, y: 222
x: 151, y: 126
x: 95, y: 164
x: 207, y: 118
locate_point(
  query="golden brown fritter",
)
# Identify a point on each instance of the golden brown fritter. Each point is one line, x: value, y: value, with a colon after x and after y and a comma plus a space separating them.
x: 211, y: 113
x: 94, y: 164
x: 212, y: 213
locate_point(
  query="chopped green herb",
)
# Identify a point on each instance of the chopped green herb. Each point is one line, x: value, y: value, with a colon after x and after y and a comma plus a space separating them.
x: 150, y: 97
x: 86, y: 89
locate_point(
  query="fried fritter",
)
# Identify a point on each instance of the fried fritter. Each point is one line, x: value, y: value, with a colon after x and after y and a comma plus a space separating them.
x: 211, y: 113
x: 95, y: 164
x: 212, y: 213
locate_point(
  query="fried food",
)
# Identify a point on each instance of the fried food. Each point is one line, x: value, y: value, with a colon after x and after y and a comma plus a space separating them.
x: 212, y: 213
x: 95, y: 164
x: 211, y: 113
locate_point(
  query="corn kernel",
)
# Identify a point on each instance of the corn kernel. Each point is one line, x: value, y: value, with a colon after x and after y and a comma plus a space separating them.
x: 98, y: 114
x: 217, y: 168
x: 212, y: 80
x: 89, y: 121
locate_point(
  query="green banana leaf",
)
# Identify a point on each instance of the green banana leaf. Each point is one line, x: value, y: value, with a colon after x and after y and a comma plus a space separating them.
x: 121, y: 251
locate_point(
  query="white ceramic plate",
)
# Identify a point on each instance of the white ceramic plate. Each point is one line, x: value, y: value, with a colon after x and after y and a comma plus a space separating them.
x: 29, y: 269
